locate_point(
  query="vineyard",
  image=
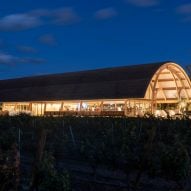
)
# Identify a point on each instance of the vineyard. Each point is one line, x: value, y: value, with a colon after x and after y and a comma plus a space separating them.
x: 94, y: 153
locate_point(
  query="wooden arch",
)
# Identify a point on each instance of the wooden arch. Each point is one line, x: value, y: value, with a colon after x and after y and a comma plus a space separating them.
x: 169, y: 84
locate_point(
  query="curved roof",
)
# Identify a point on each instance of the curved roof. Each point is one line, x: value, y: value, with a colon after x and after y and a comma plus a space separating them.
x: 110, y: 83
x: 170, y: 82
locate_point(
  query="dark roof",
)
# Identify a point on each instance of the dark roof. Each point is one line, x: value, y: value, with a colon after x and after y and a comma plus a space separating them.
x: 110, y: 83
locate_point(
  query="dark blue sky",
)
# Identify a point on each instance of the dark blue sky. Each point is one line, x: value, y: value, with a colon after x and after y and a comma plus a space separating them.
x: 41, y: 37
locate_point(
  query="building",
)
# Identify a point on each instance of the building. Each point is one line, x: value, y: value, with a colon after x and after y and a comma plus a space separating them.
x: 129, y: 90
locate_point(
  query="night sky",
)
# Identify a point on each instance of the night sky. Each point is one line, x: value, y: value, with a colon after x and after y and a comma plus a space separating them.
x: 55, y: 36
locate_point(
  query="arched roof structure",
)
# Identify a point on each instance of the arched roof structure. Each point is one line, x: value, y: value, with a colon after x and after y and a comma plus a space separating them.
x: 169, y: 83
x: 161, y: 81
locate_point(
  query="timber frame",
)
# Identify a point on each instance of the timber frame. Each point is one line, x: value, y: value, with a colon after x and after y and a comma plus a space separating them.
x: 169, y: 84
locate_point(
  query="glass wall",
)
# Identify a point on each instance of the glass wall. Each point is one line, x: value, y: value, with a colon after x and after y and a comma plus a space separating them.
x: 38, y: 109
x: 16, y: 108
x: 53, y: 106
x: 92, y: 106
x: 113, y: 105
x: 71, y: 106
x: 128, y: 107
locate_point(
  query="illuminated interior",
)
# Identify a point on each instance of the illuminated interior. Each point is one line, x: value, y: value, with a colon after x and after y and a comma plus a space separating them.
x: 168, y: 90
x: 169, y: 85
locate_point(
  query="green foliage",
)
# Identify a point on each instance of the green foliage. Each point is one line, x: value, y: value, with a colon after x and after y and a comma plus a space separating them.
x: 161, y: 146
x: 9, y: 160
x: 175, y: 162
x: 51, y: 179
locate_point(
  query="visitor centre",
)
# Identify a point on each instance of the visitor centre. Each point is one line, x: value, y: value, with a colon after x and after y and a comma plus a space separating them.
x: 134, y: 90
